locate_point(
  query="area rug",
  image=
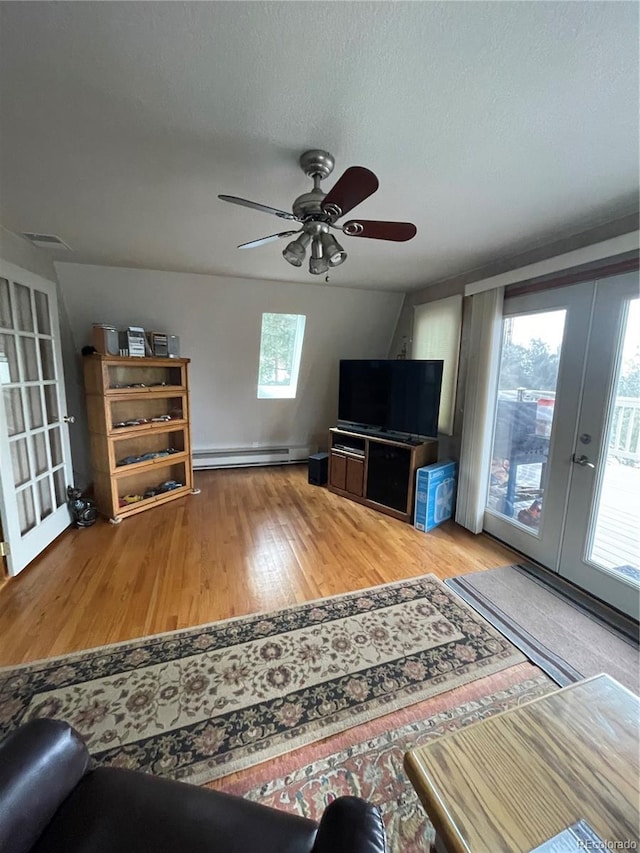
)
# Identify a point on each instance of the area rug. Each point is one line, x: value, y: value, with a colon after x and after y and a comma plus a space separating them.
x: 368, y: 761
x: 202, y: 703
x: 565, y: 632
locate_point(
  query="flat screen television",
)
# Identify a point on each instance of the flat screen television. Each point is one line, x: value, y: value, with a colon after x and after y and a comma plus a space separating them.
x: 390, y: 396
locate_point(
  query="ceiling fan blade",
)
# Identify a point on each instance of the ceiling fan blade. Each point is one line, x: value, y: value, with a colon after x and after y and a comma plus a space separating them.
x: 356, y: 184
x: 283, y: 214
x: 263, y: 240
x: 377, y: 230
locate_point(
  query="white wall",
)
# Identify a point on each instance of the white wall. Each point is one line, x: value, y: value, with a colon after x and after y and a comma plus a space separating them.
x: 218, y: 320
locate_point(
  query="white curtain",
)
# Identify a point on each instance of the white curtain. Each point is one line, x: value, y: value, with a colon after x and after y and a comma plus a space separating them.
x: 436, y: 334
x: 479, y: 403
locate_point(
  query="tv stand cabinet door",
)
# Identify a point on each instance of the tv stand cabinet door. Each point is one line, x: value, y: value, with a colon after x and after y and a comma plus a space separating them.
x: 389, y: 475
x: 347, y: 474
x: 338, y: 471
x: 355, y: 476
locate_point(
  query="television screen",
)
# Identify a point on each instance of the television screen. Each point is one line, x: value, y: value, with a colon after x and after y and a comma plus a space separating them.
x: 390, y: 395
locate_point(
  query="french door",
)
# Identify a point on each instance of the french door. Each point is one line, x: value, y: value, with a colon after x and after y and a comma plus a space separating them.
x: 565, y: 474
x: 35, y: 457
x: 601, y: 546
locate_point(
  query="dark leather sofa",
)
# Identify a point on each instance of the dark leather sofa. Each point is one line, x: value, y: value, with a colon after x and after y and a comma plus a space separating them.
x: 53, y: 800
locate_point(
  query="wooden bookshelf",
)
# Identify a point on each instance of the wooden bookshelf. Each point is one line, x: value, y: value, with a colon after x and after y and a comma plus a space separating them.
x: 138, y: 410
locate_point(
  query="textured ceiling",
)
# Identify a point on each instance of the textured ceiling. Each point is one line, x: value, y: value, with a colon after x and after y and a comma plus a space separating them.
x: 492, y: 126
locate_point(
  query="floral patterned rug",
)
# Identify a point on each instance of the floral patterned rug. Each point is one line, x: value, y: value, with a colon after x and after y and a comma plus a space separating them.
x: 201, y: 703
x: 368, y: 761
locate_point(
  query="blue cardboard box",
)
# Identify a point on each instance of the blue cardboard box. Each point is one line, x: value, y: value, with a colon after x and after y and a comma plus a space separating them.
x: 435, y: 495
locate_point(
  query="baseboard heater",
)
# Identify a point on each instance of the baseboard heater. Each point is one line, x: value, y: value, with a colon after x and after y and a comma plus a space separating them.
x: 237, y: 457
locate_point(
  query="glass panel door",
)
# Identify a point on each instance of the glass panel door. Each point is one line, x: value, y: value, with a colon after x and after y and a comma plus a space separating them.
x: 34, y: 442
x: 537, y: 398
x: 601, y: 549
x: 615, y: 544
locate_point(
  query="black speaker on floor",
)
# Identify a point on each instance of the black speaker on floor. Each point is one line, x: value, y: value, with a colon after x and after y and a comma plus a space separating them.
x: 318, y: 469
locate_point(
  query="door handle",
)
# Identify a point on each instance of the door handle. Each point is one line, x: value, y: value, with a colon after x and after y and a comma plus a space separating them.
x: 582, y: 460
x: 69, y: 419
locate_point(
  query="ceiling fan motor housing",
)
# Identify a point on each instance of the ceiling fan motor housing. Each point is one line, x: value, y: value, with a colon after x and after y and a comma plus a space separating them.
x: 309, y: 205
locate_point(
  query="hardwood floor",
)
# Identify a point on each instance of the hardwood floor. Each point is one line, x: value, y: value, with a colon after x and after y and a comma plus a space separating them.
x: 255, y: 539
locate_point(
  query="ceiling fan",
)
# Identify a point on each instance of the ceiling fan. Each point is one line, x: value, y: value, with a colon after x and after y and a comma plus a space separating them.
x: 318, y: 212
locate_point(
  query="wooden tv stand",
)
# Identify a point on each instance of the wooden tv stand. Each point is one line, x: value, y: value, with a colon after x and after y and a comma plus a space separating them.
x: 377, y: 472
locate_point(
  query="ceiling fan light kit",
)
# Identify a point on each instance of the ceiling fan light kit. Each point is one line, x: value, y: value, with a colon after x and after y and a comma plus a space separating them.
x: 295, y: 251
x: 333, y: 251
x: 318, y: 212
x: 318, y: 265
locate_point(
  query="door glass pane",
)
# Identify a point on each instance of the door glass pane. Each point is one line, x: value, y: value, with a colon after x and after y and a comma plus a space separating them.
x: 60, y: 487
x: 46, y: 356
x: 531, y: 345
x: 24, y: 315
x: 13, y: 411
x: 42, y: 312
x: 8, y: 360
x: 46, y: 498
x: 55, y: 445
x: 29, y: 360
x: 39, y: 447
x: 615, y: 543
x: 26, y: 510
x: 35, y: 406
x: 51, y: 400
x: 5, y: 305
x: 20, y: 461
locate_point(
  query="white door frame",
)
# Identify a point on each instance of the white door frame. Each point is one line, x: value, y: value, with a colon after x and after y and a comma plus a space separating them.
x: 22, y: 549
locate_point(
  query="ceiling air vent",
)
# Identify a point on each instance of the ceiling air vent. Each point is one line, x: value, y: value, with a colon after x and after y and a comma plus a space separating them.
x: 46, y: 241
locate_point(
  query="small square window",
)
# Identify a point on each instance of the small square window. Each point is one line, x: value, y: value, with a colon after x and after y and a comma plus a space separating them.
x: 280, y: 353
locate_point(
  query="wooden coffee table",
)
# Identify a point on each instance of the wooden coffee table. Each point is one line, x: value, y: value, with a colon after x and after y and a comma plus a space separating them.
x: 508, y: 783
